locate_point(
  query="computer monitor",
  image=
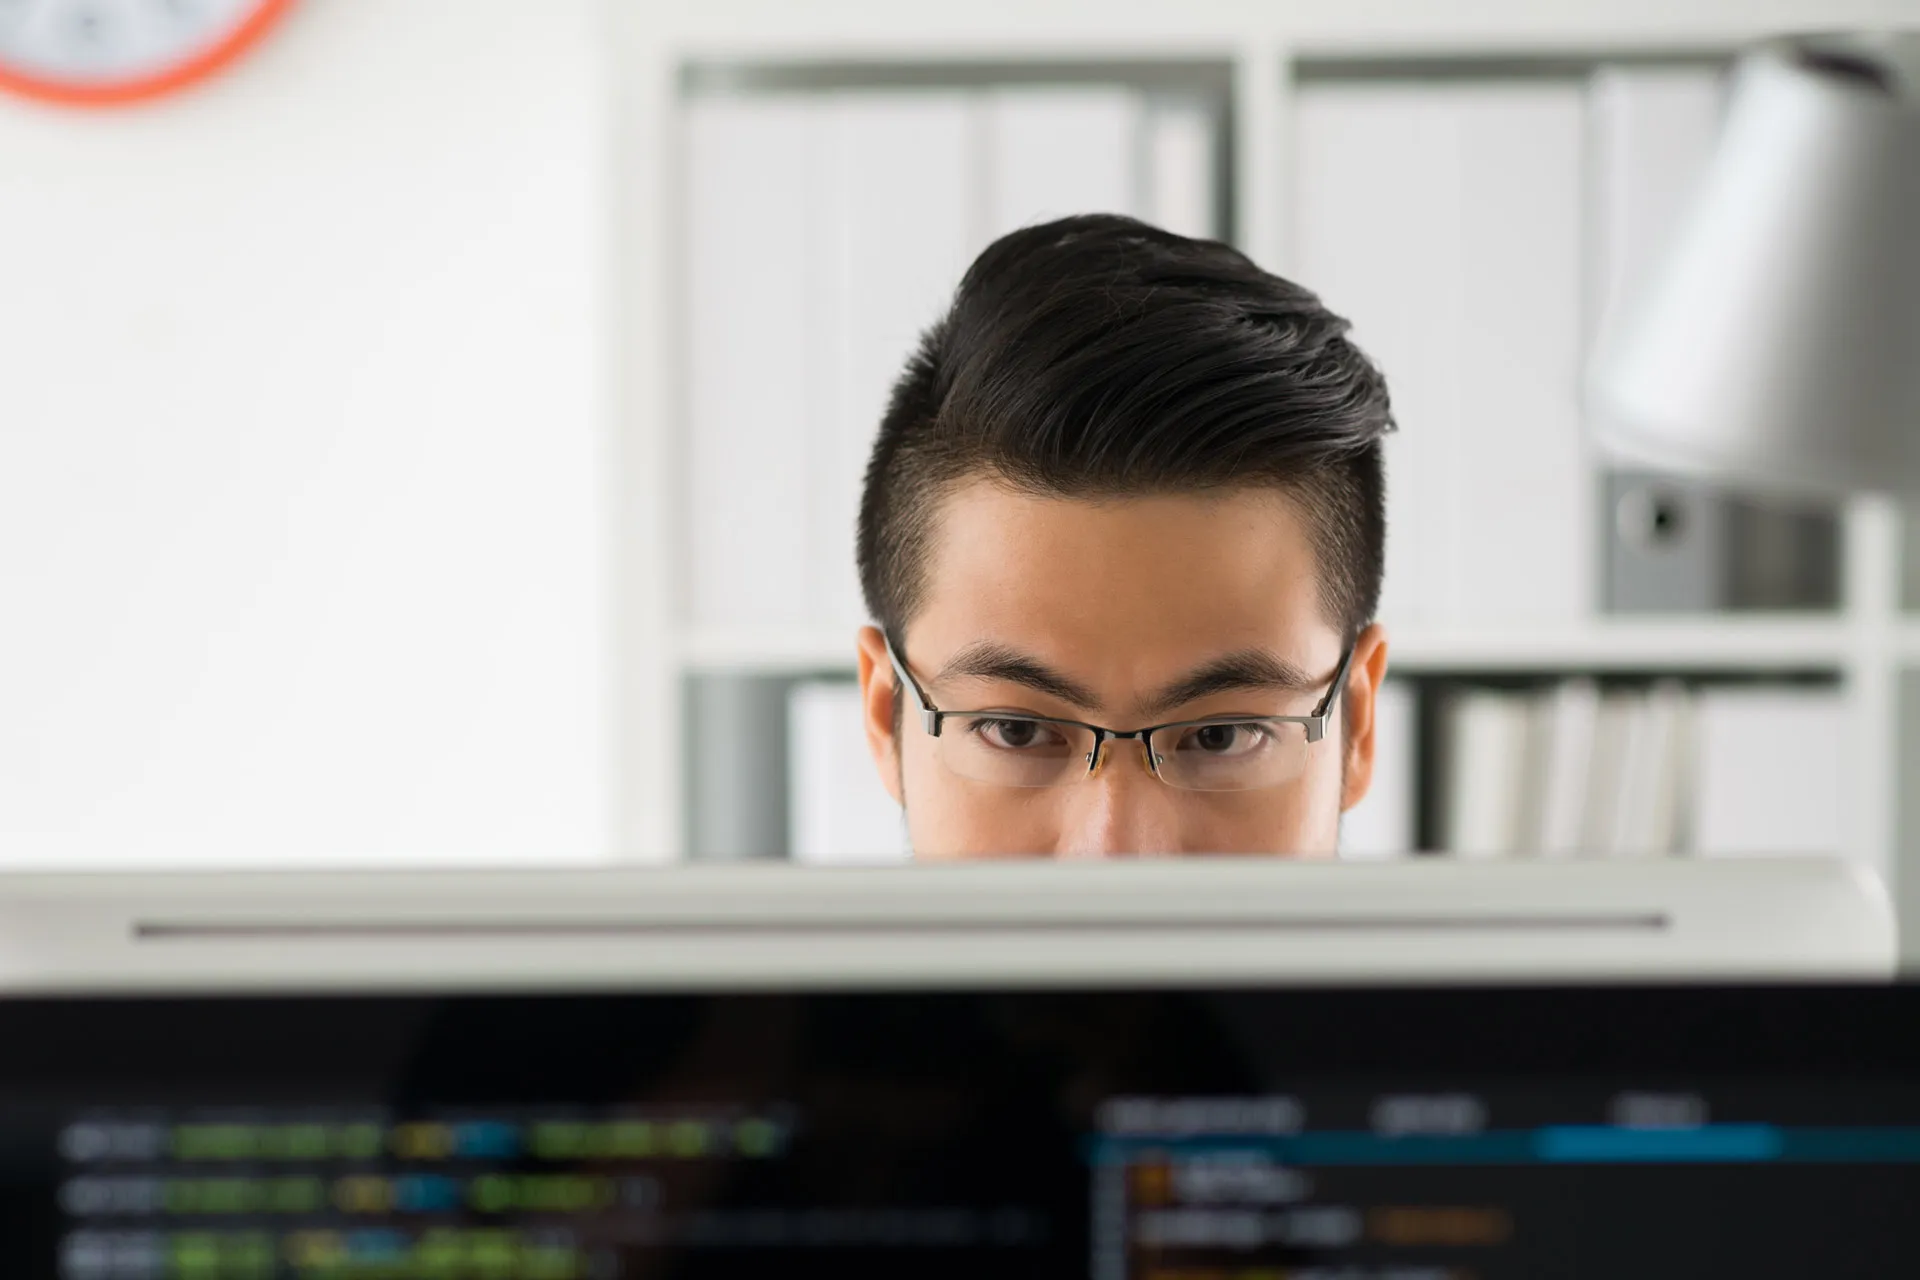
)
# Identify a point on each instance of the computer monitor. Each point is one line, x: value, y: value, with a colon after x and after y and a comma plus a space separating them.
x: 1210, y: 1073
x: 1239, y: 1132
x: 1143, y: 923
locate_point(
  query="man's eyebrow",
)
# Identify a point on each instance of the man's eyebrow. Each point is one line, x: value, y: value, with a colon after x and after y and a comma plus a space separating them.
x: 1249, y: 669
x: 986, y: 660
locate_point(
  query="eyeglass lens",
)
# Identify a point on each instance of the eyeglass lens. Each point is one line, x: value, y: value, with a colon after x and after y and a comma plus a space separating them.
x: 1217, y: 755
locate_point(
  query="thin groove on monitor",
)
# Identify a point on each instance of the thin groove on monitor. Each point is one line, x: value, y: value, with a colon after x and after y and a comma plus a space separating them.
x: 235, y: 930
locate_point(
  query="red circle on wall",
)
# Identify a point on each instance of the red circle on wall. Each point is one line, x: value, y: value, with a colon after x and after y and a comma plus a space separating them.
x: 223, y: 33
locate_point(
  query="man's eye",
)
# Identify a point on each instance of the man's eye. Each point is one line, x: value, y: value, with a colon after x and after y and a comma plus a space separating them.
x: 1013, y: 735
x: 1224, y: 739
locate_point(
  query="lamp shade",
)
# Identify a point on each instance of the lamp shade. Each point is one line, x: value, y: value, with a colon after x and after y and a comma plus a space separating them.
x: 1778, y: 340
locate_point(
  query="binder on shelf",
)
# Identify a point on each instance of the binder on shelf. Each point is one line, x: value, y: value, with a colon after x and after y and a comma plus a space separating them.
x: 1655, y: 773
x: 1520, y: 461
x: 894, y: 231
x: 752, y: 168
x: 827, y: 231
x: 736, y: 787
x: 1444, y: 219
x: 1182, y: 179
x: 1652, y: 134
x: 1488, y: 734
x: 840, y: 814
x: 1573, y: 714
x: 1666, y: 544
x: 1058, y: 150
x: 1359, y: 150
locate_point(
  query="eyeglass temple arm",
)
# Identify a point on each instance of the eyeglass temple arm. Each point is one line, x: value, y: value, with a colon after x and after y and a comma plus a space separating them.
x: 1317, y: 726
x: 929, y: 717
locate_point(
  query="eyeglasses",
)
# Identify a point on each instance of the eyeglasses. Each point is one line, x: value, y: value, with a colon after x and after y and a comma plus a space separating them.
x: 1225, y: 753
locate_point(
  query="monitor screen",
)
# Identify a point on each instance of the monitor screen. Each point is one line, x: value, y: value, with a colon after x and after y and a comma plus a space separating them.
x: 1169, y: 1134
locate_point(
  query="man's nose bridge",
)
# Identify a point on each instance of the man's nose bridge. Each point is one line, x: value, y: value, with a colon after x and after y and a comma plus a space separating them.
x: 1109, y: 744
x: 1124, y: 813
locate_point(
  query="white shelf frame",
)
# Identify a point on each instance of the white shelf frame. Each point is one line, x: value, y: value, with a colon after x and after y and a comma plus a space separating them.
x: 1867, y: 645
x: 1759, y: 645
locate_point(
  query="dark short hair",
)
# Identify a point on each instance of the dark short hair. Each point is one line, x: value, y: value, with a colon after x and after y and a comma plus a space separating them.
x: 1101, y: 357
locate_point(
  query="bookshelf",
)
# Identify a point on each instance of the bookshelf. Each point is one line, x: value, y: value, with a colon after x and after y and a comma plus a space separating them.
x: 1257, y: 57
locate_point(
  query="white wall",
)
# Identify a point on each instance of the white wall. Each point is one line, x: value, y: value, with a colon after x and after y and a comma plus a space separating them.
x: 303, y: 411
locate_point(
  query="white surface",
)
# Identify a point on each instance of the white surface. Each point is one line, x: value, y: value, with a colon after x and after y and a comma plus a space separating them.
x: 1133, y: 923
x: 838, y: 812
x: 302, y: 521
x: 1445, y: 221
x: 1773, y: 767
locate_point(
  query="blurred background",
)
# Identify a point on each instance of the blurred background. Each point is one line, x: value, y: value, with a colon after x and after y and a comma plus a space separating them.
x: 435, y: 437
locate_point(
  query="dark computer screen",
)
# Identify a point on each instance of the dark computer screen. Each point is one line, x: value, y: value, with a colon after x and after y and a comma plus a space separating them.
x: 1152, y: 1135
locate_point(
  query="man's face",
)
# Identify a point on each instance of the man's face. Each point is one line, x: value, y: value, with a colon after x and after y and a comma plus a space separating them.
x: 1122, y: 613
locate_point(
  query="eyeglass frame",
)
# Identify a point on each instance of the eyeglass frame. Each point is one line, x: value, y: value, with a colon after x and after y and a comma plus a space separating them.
x: 1315, y: 722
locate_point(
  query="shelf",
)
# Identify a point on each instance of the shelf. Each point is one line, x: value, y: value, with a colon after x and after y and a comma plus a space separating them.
x: 770, y: 650
x: 1677, y: 644
x: 1682, y: 644
x: 1906, y: 641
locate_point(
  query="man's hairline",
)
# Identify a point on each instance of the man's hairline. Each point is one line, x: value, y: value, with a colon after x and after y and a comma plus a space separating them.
x: 944, y: 490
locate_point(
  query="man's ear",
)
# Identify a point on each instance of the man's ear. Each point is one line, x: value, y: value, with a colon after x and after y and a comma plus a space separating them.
x: 877, y: 709
x: 1360, y: 699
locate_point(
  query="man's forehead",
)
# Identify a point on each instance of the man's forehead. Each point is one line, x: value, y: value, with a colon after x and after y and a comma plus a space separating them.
x: 1228, y: 568
x: 1117, y: 604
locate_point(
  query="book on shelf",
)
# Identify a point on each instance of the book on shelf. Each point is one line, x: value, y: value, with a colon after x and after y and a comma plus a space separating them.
x: 1483, y: 797
x: 1572, y: 713
x: 1641, y: 772
x: 1445, y: 220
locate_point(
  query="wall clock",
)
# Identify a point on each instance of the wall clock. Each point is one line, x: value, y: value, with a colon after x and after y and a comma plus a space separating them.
x: 109, y: 52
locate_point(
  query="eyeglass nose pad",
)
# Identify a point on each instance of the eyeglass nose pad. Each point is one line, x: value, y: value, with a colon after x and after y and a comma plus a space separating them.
x: 1103, y: 749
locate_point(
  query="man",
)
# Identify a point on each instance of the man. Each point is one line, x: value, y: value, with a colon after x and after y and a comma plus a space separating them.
x: 1123, y: 531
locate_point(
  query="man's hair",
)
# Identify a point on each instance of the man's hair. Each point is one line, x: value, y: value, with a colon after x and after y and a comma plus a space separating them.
x: 1099, y: 357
